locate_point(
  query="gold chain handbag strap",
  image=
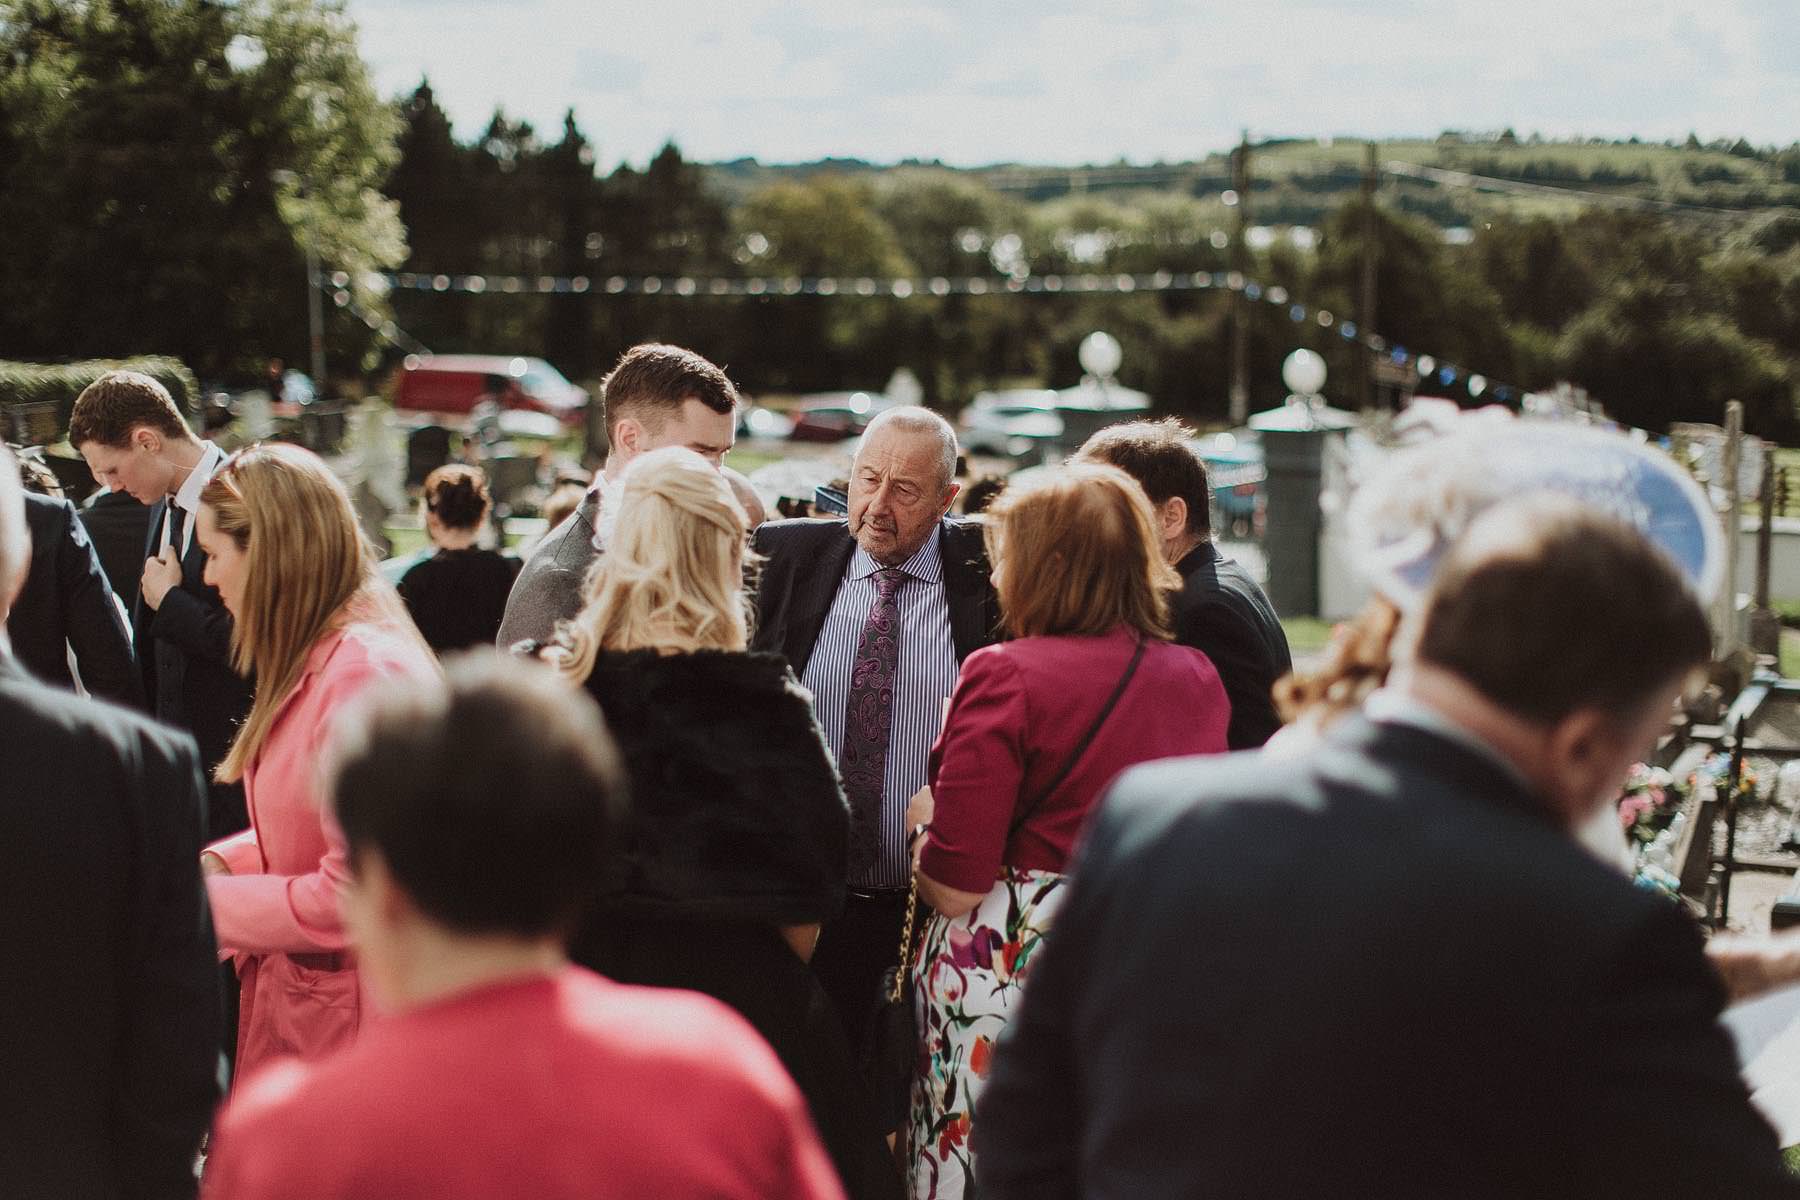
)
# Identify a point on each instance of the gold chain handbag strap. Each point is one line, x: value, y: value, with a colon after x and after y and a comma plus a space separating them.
x: 906, y: 936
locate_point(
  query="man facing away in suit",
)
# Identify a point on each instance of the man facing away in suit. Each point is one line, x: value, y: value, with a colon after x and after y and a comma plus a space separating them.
x: 108, y: 1046
x: 658, y: 395
x: 127, y: 427
x: 1220, y: 610
x: 1387, y: 967
x: 876, y: 614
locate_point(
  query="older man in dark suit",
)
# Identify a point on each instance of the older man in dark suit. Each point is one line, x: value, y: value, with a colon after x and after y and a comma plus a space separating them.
x: 68, y: 605
x: 110, y: 1026
x: 1386, y: 967
x: 876, y: 614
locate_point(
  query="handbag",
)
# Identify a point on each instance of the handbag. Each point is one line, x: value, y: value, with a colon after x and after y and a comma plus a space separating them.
x: 891, y: 1056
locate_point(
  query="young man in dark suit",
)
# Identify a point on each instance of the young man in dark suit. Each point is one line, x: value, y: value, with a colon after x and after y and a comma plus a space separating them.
x: 1220, y: 611
x: 1386, y: 966
x: 897, y: 594
x: 135, y: 440
x: 108, y: 1045
x: 67, y: 604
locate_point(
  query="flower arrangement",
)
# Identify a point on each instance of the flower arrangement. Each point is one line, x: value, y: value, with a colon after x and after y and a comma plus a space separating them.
x: 1715, y: 772
x: 1649, y: 801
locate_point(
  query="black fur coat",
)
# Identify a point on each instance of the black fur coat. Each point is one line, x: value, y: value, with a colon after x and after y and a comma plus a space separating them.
x: 737, y: 812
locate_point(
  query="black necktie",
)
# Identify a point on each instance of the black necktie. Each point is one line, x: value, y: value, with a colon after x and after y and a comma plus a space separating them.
x: 176, y: 525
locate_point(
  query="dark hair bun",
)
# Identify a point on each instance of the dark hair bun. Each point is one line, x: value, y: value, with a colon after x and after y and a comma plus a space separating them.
x: 457, y: 495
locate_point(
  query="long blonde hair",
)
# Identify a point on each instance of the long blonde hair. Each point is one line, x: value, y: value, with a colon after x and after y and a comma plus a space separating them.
x: 306, y: 559
x: 671, y: 576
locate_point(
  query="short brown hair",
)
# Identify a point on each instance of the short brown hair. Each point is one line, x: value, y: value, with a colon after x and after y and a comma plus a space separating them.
x: 1077, y: 554
x: 109, y: 408
x: 1547, y: 608
x: 1158, y: 456
x: 653, y: 380
x: 457, y: 495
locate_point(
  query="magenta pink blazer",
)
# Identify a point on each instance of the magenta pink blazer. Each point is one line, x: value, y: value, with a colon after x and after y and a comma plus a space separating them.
x: 277, y: 911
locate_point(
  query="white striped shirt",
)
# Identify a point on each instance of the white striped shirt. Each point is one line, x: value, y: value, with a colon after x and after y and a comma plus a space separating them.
x: 924, y: 679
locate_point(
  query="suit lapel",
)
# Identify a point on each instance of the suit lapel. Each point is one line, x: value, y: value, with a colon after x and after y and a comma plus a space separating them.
x: 965, y: 588
x: 814, y: 592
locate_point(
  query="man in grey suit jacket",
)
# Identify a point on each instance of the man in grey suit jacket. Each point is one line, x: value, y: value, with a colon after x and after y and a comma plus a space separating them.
x: 108, y: 1046
x: 1386, y: 967
x: 657, y: 395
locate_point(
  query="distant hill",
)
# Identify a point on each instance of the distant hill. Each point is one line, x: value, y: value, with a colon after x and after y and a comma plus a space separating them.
x: 1298, y: 181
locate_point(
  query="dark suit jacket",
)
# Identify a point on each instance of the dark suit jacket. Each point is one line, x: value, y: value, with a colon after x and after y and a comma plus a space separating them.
x: 548, y: 588
x: 806, y: 560
x: 1221, y: 612
x: 110, y: 994
x: 184, y: 649
x: 67, y: 602
x: 1375, y: 971
x: 118, y: 526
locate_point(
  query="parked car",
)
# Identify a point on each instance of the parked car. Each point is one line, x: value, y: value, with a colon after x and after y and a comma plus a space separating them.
x: 455, y: 383
x: 756, y: 421
x: 1012, y: 423
x: 834, y: 416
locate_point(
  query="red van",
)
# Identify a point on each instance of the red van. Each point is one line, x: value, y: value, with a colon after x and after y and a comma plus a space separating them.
x: 455, y: 383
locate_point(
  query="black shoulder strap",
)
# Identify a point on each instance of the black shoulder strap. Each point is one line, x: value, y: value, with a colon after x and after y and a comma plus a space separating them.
x: 1081, y: 746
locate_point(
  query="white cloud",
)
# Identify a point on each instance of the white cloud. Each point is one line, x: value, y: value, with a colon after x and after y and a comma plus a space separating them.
x: 975, y: 82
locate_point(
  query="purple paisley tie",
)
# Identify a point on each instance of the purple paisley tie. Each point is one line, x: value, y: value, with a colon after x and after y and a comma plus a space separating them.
x: 868, y: 717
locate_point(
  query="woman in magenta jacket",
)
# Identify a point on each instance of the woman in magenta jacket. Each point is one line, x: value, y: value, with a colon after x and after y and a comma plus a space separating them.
x: 1038, y: 727
x: 315, y: 625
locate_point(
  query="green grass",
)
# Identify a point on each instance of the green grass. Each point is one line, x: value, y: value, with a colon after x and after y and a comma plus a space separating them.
x: 1307, y: 635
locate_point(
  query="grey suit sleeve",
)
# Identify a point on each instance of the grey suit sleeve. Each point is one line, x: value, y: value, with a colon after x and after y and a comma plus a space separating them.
x: 168, y: 1076
x: 94, y: 625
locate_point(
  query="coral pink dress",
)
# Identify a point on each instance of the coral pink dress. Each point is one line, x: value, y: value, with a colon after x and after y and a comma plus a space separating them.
x: 277, y: 912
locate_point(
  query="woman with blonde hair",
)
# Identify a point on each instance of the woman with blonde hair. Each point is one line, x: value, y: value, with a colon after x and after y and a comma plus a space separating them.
x: 737, y: 846
x: 314, y: 625
x: 1090, y: 684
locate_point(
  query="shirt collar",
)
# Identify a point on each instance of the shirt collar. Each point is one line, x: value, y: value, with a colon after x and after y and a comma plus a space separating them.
x: 1392, y: 707
x: 926, y: 563
x: 188, y: 498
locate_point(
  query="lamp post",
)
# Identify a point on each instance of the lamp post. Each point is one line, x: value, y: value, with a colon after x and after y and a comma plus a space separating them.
x: 315, y: 309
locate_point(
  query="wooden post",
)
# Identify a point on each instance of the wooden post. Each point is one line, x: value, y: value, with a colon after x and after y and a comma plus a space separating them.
x: 1765, y: 628
x: 1365, y: 316
x: 1730, y: 635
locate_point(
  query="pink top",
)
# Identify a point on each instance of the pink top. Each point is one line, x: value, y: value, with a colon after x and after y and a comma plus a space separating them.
x: 1017, y: 714
x: 565, y: 1087
x: 281, y: 895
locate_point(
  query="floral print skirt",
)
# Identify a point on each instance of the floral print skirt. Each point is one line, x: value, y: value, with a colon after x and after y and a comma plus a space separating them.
x: 968, y: 974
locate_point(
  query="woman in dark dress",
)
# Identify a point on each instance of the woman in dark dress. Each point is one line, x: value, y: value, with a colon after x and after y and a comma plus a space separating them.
x: 458, y: 595
x: 739, y: 831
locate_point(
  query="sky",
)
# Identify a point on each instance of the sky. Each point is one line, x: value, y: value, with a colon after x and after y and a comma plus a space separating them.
x: 1052, y: 82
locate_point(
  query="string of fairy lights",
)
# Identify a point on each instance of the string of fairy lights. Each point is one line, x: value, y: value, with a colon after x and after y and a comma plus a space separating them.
x: 1429, y: 368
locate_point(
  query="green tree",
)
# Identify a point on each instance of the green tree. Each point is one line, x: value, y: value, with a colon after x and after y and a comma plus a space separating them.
x: 162, y: 164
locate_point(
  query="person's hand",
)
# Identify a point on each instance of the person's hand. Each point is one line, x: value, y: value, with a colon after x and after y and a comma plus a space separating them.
x: 160, y: 574
x: 920, y: 808
x: 212, y: 864
x: 1751, y: 965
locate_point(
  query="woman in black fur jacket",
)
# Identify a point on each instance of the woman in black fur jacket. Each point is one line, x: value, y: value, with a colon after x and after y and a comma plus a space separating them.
x: 739, y: 829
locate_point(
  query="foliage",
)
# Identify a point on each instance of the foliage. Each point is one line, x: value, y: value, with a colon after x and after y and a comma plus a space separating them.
x: 29, y: 385
x: 142, y: 207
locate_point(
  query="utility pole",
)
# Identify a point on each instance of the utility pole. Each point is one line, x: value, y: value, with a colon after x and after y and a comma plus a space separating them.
x: 1240, y: 306
x: 1365, y: 316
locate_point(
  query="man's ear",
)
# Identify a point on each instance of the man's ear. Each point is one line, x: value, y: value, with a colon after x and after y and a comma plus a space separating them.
x: 1577, y: 749
x: 146, y: 438
x: 1172, y: 516
x: 628, y: 435
x: 950, y: 494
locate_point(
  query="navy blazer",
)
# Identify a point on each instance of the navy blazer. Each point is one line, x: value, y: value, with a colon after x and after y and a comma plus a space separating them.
x: 68, y: 603
x: 806, y: 558
x: 184, y: 650
x: 109, y: 1041
x: 1379, y: 969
